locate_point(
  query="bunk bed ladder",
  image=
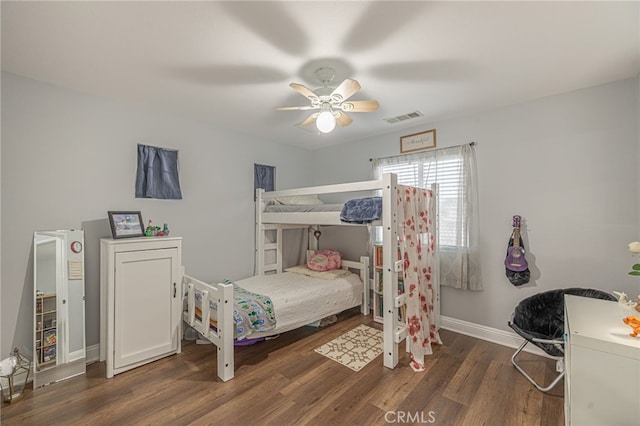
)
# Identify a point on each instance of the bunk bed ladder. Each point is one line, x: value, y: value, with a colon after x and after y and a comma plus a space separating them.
x: 392, y: 331
x: 263, y: 247
x: 270, y: 249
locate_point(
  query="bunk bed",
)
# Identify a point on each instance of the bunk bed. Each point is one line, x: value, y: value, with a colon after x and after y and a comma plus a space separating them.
x: 269, y: 228
x: 294, y: 297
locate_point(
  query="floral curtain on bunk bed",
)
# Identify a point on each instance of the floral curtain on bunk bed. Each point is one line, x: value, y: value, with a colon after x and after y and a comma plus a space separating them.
x: 417, y: 247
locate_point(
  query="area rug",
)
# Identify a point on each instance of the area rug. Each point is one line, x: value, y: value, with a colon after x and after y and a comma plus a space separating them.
x: 355, y: 348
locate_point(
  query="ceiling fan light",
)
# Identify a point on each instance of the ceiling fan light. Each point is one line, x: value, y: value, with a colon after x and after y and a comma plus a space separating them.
x: 326, y: 122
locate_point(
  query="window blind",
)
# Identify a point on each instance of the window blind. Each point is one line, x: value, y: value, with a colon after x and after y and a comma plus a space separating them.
x: 447, y: 173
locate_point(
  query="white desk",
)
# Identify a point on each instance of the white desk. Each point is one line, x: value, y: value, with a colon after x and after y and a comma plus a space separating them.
x: 602, y: 382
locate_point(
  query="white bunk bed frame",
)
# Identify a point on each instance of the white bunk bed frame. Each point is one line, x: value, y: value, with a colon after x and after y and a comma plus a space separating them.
x: 223, y: 338
x: 393, y: 332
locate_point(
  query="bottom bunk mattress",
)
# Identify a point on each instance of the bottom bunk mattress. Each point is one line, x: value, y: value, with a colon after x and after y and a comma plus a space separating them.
x: 296, y: 300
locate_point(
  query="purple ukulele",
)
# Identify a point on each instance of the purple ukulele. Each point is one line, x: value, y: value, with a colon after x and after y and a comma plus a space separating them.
x: 515, y: 260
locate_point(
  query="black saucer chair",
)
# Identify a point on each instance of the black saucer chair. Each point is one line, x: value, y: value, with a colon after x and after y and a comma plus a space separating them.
x: 539, y: 319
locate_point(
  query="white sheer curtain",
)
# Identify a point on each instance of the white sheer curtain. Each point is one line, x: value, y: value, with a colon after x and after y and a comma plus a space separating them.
x: 454, y: 170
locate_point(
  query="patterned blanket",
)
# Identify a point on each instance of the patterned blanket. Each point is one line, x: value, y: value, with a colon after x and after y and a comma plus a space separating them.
x: 252, y: 312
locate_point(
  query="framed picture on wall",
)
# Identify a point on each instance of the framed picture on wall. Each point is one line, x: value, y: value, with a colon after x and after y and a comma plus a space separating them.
x: 418, y: 141
x: 126, y: 224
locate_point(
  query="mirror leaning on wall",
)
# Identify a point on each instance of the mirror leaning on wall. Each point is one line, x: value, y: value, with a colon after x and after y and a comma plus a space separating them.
x: 59, y: 350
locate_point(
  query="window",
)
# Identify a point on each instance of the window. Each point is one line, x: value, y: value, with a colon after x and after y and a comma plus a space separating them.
x: 454, y: 170
x: 447, y: 172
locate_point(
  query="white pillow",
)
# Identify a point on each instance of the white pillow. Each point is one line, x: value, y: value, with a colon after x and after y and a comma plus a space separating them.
x: 299, y: 200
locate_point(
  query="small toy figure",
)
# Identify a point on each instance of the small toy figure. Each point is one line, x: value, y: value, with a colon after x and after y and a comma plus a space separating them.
x: 623, y: 299
x: 633, y: 322
x: 149, y: 231
x: 165, y: 230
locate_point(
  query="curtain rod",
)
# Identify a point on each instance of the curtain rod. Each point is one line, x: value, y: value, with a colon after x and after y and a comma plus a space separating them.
x: 472, y: 143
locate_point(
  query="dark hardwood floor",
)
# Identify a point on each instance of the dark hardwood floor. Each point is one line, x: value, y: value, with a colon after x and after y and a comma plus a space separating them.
x: 284, y: 382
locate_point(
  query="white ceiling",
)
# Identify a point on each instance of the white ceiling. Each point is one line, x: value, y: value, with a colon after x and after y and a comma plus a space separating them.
x: 230, y: 63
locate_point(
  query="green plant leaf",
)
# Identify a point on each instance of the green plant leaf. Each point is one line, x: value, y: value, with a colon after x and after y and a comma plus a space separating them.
x: 636, y: 267
x: 634, y: 273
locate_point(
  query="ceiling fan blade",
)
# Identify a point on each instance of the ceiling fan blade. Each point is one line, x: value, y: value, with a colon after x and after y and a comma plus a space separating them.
x: 343, y: 119
x: 303, y: 90
x: 360, y: 106
x: 346, y: 89
x: 301, y: 108
x: 311, y: 119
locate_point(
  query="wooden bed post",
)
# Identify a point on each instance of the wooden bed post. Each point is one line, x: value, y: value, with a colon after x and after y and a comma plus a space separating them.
x: 279, y: 237
x: 435, y: 214
x: 389, y: 277
x: 225, y: 332
x: 365, y: 273
x: 259, y: 248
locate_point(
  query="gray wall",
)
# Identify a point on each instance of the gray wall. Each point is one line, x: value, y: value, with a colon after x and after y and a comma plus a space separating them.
x: 67, y: 158
x: 567, y: 164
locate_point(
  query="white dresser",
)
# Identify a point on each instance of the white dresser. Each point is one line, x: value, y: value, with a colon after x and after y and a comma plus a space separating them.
x: 140, y: 300
x: 602, y: 382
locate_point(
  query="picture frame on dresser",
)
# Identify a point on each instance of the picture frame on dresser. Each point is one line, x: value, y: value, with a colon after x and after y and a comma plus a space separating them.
x: 126, y: 224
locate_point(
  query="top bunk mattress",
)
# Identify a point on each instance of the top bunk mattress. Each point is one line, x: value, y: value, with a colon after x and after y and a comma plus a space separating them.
x: 299, y: 300
x: 288, y: 208
x: 355, y: 211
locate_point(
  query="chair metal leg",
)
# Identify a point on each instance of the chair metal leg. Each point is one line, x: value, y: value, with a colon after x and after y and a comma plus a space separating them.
x: 533, y: 382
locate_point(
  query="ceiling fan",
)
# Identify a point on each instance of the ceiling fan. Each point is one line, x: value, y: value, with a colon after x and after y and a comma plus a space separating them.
x: 331, y: 102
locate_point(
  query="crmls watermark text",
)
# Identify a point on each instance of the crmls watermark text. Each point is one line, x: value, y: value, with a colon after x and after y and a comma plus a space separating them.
x: 410, y: 417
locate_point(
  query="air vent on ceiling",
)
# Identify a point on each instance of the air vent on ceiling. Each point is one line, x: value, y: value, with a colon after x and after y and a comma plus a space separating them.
x: 403, y: 117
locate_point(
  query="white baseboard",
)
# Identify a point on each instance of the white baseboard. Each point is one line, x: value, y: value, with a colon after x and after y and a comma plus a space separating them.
x: 74, y: 356
x: 501, y: 337
x: 93, y: 353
